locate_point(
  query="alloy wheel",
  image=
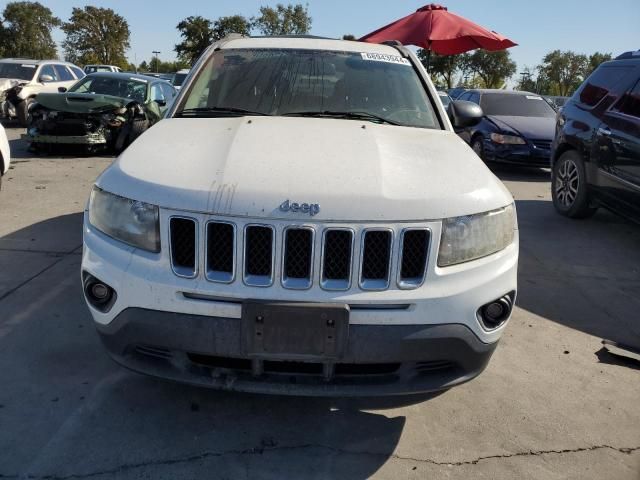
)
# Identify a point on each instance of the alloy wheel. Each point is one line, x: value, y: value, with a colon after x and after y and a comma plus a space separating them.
x: 567, y: 183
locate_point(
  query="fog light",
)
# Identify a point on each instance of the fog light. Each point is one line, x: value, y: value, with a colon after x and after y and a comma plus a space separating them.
x: 495, y: 313
x: 98, y: 294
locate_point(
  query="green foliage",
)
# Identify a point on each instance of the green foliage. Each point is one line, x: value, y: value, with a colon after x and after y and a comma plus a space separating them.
x: 527, y: 81
x: 158, y: 66
x: 289, y: 20
x: 96, y: 35
x: 197, y: 35
x: 564, y: 71
x: 442, y: 68
x: 595, y: 59
x: 349, y: 37
x: 224, y: 26
x: 25, y: 31
x: 493, y: 68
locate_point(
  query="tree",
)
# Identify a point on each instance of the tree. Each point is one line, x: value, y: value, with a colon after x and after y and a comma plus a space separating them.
x: 96, y: 35
x: 289, y: 20
x: 197, y: 34
x: 493, y: 68
x: 442, y: 67
x: 564, y: 71
x: 594, y: 61
x: 25, y: 31
x: 224, y: 26
x: 349, y: 37
x: 527, y: 81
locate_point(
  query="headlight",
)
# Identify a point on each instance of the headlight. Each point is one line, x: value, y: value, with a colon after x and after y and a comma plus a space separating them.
x: 475, y: 236
x: 130, y: 221
x: 507, y: 139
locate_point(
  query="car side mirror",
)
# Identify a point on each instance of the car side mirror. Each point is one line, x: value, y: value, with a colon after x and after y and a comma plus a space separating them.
x: 46, y: 78
x: 464, y: 114
x: 62, y: 89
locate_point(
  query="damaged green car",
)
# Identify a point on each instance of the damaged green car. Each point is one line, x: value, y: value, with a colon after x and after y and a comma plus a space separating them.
x: 103, y: 111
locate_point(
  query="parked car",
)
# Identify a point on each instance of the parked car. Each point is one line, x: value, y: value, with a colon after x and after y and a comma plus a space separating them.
x: 444, y: 98
x: 101, y: 110
x: 454, y: 93
x: 299, y: 224
x: 556, y: 102
x: 179, y: 78
x: 517, y: 127
x: 5, y: 154
x: 101, y: 68
x: 21, y: 80
x: 596, y: 151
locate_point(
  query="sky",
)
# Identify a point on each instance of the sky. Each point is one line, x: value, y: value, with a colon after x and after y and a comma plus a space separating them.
x: 584, y: 26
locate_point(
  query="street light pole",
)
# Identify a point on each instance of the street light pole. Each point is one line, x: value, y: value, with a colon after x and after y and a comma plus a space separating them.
x: 156, y: 53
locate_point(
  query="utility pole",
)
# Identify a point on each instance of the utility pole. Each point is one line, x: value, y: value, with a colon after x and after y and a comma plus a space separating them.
x: 156, y: 53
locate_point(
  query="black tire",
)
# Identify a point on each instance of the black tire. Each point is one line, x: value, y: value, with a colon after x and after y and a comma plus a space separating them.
x: 477, y: 145
x: 569, y: 188
x: 22, y: 111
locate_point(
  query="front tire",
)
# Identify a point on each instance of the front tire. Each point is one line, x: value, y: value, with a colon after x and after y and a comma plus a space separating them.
x: 569, y: 188
x: 477, y: 145
x: 22, y: 112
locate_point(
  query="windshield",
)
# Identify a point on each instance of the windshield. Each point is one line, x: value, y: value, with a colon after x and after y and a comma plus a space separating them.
x: 178, y: 79
x: 132, y: 88
x: 17, y: 70
x: 515, y: 105
x: 382, y: 88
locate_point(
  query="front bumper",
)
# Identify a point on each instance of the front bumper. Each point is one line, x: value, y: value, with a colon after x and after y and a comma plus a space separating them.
x: 89, y: 139
x: 525, y: 155
x: 379, y: 359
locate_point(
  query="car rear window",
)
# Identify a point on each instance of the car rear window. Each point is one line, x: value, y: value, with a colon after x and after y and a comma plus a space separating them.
x: 600, y: 83
x: 629, y: 103
x: 17, y: 71
x: 292, y: 81
x: 508, y: 104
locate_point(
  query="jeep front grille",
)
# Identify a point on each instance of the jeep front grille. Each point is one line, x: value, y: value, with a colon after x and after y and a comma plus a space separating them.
x: 300, y: 256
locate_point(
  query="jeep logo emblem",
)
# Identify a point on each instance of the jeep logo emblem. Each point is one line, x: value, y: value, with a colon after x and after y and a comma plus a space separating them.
x: 310, y: 208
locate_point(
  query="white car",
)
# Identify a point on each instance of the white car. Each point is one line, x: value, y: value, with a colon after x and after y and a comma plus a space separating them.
x: 101, y: 68
x: 179, y: 78
x: 5, y: 154
x: 21, y: 80
x: 303, y: 221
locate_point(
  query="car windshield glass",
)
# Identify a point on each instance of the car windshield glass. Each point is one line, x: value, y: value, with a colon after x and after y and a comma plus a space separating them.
x: 322, y: 83
x: 515, y: 105
x: 132, y: 88
x: 17, y: 71
x: 178, y: 79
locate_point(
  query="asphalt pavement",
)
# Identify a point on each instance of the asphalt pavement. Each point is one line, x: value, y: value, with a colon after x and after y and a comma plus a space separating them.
x: 551, y: 405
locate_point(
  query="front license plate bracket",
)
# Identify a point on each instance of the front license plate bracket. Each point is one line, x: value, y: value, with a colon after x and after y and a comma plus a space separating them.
x: 294, y: 331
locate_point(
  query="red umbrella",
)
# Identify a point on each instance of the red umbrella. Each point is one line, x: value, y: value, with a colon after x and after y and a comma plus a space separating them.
x: 434, y: 28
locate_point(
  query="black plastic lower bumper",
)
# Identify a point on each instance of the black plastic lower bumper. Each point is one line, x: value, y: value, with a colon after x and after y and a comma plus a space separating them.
x: 379, y: 359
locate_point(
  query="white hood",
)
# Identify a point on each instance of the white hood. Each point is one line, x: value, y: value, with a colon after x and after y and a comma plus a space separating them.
x: 354, y: 170
x: 7, y: 83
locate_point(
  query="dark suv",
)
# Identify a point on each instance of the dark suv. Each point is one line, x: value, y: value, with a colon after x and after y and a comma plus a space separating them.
x: 596, y: 150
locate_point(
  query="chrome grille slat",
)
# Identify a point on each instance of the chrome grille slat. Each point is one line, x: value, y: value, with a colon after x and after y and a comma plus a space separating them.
x: 259, y: 250
x: 220, y: 255
x: 375, y: 264
x: 297, y: 258
x: 414, y: 251
x: 183, y: 246
x: 337, y: 259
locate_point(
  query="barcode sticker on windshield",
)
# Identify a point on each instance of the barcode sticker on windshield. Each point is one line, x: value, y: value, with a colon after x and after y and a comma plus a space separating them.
x: 382, y: 57
x: 533, y: 97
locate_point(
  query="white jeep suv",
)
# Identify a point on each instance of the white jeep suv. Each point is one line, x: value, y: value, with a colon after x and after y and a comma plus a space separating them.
x: 303, y: 221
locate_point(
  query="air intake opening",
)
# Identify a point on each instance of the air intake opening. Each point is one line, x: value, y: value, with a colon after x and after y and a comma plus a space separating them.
x: 183, y: 246
x: 298, y: 258
x: 220, y: 251
x: 376, y: 260
x: 336, y: 260
x: 259, y: 255
x: 415, y: 247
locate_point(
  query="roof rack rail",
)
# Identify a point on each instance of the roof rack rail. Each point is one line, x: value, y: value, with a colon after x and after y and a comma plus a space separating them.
x: 314, y: 37
x: 631, y: 54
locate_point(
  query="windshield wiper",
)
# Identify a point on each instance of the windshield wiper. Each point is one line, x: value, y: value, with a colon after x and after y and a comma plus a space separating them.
x: 348, y: 115
x: 216, y: 111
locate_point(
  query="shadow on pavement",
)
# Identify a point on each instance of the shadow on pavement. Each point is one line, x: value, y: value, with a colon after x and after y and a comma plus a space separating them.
x: 57, y: 235
x: 520, y: 174
x: 584, y: 274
